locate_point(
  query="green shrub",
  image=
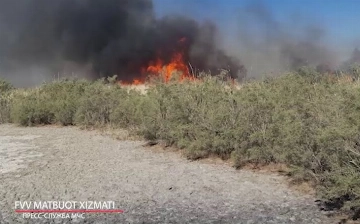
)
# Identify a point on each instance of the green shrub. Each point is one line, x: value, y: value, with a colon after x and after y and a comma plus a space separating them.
x: 5, y: 101
x: 128, y: 113
x: 65, y: 97
x: 32, y: 108
x: 55, y: 102
x: 97, y: 104
x: 5, y: 86
x: 309, y: 126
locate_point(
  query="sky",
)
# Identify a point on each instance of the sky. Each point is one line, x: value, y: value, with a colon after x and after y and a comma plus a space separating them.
x: 339, y: 17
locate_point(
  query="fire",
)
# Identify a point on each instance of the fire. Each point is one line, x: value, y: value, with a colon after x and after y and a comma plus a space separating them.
x: 176, y: 64
x: 137, y: 82
x: 158, y: 68
x: 134, y: 82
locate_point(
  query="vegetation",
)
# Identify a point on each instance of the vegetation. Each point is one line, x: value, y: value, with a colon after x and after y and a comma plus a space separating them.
x: 307, y: 121
x: 5, y: 92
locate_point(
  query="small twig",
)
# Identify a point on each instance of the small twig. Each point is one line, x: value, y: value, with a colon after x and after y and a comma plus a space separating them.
x: 355, y: 164
x: 192, y: 70
x: 356, y: 153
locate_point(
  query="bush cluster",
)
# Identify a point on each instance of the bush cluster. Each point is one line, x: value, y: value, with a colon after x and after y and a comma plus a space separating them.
x: 308, y: 122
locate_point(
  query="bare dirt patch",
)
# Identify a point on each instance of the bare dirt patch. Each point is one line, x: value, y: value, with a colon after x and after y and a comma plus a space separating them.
x: 16, y: 152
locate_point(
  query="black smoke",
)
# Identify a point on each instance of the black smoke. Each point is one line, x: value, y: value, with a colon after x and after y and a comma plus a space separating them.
x: 40, y: 39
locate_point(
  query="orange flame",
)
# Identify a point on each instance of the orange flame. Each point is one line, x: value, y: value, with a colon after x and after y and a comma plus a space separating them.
x: 176, y: 64
x: 165, y: 71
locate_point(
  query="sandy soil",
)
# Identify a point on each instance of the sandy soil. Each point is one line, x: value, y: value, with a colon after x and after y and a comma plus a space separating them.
x: 54, y: 163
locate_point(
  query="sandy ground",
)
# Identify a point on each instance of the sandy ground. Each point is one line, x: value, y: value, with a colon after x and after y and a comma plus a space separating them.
x: 54, y: 163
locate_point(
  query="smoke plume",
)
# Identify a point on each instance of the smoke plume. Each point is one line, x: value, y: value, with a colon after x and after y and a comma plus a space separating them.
x: 40, y: 39
x: 268, y: 46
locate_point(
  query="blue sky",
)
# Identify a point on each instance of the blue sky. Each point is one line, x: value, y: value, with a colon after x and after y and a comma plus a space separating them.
x: 341, y: 18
